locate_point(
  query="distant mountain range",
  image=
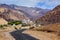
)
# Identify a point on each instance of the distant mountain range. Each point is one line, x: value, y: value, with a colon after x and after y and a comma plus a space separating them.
x: 13, y: 12
x: 31, y: 12
x: 50, y: 17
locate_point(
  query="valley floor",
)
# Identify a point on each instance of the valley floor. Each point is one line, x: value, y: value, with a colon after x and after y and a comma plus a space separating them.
x: 24, y: 34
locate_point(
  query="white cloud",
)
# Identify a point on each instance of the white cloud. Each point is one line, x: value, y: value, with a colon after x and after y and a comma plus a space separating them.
x: 48, y: 3
x: 29, y: 3
x: 32, y: 3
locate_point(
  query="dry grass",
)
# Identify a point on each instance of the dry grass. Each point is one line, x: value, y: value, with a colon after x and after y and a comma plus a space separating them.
x: 51, y: 28
x: 54, y: 27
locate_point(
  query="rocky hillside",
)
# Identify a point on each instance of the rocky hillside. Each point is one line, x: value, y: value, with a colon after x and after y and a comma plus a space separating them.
x: 3, y: 21
x: 31, y: 12
x: 52, y: 16
x: 11, y: 14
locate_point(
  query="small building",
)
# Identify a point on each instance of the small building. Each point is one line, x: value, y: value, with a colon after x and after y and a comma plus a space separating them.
x: 27, y: 21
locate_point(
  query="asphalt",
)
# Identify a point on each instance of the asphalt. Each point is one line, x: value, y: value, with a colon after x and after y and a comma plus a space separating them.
x: 18, y: 35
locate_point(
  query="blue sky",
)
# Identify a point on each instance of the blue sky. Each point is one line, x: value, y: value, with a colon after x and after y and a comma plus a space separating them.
x: 45, y: 4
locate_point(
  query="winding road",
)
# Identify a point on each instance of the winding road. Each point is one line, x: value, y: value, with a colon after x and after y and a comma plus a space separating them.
x: 24, y: 34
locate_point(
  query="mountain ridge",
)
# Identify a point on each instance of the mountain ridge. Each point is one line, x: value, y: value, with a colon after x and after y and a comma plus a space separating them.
x: 50, y: 17
x: 16, y: 11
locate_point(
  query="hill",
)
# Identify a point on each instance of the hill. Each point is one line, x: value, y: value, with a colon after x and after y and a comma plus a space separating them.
x: 3, y: 21
x: 14, y: 12
x: 50, y: 17
x: 11, y: 14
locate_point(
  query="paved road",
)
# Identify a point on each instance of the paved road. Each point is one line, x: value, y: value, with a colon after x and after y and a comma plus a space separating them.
x: 18, y: 35
x: 24, y: 34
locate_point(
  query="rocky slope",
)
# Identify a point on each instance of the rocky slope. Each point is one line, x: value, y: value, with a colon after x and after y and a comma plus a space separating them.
x: 3, y: 21
x: 31, y: 12
x: 52, y: 16
x: 11, y: 14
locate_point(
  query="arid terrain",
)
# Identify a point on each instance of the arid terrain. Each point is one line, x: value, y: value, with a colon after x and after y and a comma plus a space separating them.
x: 28, y: 23
x: 27, y: 34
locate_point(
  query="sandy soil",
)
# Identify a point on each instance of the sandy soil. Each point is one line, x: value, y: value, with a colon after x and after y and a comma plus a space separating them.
x: 42, y: 35
x: 27, y: 35
x: 6, y: 36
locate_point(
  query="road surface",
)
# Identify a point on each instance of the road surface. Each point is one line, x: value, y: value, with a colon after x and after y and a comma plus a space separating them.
x: 25, y: 34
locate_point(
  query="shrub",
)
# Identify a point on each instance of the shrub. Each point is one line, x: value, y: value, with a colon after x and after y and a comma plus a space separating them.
x: 15, y: 28
x: 5, y: 25
x: 23, y: 25
x: 15, y: 22
x: 1, y: 26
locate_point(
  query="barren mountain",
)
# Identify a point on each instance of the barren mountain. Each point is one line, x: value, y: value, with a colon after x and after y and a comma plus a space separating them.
x: 52, y: 16
x: 11, y: 14
x: 31, y: 12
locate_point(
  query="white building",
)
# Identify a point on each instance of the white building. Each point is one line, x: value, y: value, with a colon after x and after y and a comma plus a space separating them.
x: 27, y: 21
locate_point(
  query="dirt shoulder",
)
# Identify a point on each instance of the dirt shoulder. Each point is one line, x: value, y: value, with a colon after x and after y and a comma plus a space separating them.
x: 42, y: 35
